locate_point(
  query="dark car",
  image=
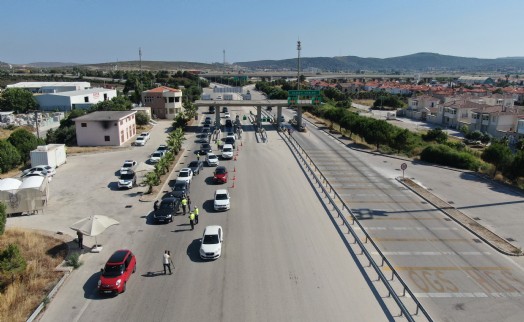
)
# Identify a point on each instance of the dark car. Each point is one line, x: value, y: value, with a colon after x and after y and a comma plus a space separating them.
x: 220, y: 175
x: 230, y: 140
x: 196, y: 166
x: 167, y: 209
x: 117, y: 272
x: 205, y: 148
x: 211, y: 109
x: 229, y: 123
x: 180, y: 188
x: 202, y: 138
x: 224, y: 109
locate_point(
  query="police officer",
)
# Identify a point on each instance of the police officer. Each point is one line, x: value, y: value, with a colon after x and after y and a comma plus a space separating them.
x: 196, y: 214
x: 184, y: 204
x: 192, y: 219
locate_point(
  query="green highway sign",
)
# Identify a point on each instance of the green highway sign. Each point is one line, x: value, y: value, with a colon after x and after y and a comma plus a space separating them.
x: 303, y: 93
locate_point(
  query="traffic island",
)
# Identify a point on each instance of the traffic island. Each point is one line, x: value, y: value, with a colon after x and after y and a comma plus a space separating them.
x: 488, y: 236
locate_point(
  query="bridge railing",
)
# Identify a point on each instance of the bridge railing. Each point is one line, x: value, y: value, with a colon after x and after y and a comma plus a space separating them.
x: 325, y: 185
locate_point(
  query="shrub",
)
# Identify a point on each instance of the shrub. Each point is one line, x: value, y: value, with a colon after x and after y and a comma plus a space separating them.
x: 436, y: 135
x: 3, y: 218
x: 444, y: 155
x: 141, y: 119
x: 73, y: 260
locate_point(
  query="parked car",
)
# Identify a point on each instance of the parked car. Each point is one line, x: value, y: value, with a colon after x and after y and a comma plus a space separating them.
x: 231, y: 133
x: 36, y: 173
x: 211, y: 159
x: 129, y: 165
x: 127, y: 180
x: 196, y: 166
x: 162, y: 148
x: 117, y: 271
x: 211, y: 109
x: 156, y: 156
x: 202, y: 138
x: 142, y: 139
x: 208, y: 118
x: 167, y: 209
x: 229, y: 123
x: 205, y: 148
x: 179, y: 189
x: 47, y: 168
x: 224, y: 109
x: 227, y: 151
x: 211, y: 242
x: 185, y: 174
x: 221, y: 200
x: 146, y: 135
x: 227, y: 115
x: 220, y: 175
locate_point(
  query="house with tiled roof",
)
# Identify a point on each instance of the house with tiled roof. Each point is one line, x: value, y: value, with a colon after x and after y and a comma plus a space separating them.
x: 419, y: 107
x: 498, y: 121
x: 165, y: 102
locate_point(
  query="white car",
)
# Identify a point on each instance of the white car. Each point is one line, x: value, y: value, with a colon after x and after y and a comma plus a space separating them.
x: 145, y: 135
x: 140, y: 141
x: 211, y: 159
x: 128, y: 165
x: 221, y: 200
x: 227, y: 151
x: 44, y: 167
x: 211, y: 243
x: 227, y: 115
x: 156, y: 156
x: 185, y: 174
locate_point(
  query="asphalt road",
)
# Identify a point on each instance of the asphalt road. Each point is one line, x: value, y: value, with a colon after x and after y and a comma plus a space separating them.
x: 452, y: 272
x: 282, y: 259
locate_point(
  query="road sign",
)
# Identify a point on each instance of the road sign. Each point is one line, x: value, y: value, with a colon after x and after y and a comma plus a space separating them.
x: 403, y: 166
x: 308, y: 93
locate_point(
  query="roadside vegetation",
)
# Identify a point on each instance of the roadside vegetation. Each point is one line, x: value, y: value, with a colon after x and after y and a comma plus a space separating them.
x: 27, y: 263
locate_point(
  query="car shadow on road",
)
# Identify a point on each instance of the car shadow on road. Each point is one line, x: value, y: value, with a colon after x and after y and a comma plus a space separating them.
x: 90, y: 287
x: 193, y: 250
x: 149, y: 219
x: 153, y: 274
x: 113, y: 186
x: 208, y: 206
x: 209, y: 180
x: 187, y: 227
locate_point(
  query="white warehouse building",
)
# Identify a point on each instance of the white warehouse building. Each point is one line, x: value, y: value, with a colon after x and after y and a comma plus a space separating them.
x: 67, y: 101
x: 51, y: 87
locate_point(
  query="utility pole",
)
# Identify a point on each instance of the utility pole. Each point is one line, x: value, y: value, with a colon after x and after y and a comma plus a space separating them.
x: 36, y: 124
x: 299, y: 48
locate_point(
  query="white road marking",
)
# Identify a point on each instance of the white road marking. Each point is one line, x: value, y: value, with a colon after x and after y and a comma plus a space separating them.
x: 407, y: 228
x: 432, y: 253
x: 471, y: 295
x: 77, y: 318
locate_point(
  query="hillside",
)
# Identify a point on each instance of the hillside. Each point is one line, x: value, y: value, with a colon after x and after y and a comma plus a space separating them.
x: 423, y: 62
x: 151, y: 65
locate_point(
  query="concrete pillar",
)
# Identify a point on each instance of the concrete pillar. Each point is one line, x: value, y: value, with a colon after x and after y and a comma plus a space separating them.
x: 299, y: 117
x: 259, y: 116
x: 279, y: 116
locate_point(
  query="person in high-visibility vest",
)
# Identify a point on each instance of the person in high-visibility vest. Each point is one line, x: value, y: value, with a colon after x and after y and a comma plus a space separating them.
x: 184, y: 204
x: 196, y: 214
x: 192, y: 219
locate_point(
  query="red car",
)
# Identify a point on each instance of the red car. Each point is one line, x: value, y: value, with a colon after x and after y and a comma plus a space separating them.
x: 117, y: 272
x: 220, y: 174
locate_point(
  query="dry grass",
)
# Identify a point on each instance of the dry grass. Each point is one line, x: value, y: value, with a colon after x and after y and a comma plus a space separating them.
x: 364, y: 102
x: 43, y: 254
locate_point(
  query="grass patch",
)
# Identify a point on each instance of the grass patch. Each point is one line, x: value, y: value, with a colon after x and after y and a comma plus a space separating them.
x: 43, y: 254
x: 73, y: 260
x: 364, y: 102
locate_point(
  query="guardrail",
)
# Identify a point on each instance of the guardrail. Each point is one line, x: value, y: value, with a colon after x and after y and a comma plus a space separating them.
x: 391, y: 291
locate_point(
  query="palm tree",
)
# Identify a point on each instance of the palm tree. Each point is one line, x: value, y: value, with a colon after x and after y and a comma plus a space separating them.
x: 151, y: 179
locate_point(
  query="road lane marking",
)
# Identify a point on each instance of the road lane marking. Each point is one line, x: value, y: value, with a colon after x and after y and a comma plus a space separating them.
x: 407, y: 228
x: 470, y: 295
x: 377, y: 217
x: 432, y: 253
x: 421, y: 239
x: 448, y: 268
x: 82, y: 310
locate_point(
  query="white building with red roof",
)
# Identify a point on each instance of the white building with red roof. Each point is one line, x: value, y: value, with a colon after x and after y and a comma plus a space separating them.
x: 165, y: 102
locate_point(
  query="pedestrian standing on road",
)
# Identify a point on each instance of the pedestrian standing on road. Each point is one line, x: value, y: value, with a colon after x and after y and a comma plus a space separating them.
x: 198, y: 156
x: 155, y: 206
x: 80, y: 239
x: 192, y: 220
x: 196, y: 214
x: 184, y: 204
x: 188, y: 203
x: 167, y: 258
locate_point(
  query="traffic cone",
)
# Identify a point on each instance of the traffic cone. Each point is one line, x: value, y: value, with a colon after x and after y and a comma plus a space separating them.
x: 235, y: 158
x: 240, y: 143
x: 233, y: 184
x: 234, y: 169
x: 234, y: 178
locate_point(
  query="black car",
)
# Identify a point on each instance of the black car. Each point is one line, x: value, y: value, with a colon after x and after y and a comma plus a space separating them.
x: 166, y: 210
x: 196, y: 166
x: 230, y: 140
x: 211, y: 109
x: 179, y: 189
x: 224, y: 109
x: 205, y: 148
x: 229, y: 123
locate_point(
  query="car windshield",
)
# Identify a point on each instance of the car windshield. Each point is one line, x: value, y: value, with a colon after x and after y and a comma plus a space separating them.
x: 220, y: 171
x: 166, y: 205
x: 184, y: 174
x: 193, y: 164
x: 162, y: 148
x: 206, y: 146
x: 212, y: 156
x: 127, y: 165
x: 179, y: 186
x: 157, y: 155
x: 221, y: 196
x: 210, y: 239
x: 140, y: 138
x: 226, y: 150
x: 113, y: 270
x: 127, y: 176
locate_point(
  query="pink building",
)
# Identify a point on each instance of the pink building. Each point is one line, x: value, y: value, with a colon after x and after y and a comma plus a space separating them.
x: 105, y: 128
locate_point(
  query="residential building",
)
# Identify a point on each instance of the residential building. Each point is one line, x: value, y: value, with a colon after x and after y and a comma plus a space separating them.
x: 67, y: 101
x: 470, y: 80
x: 105, y: 128
x: 51, y: 87
x: 165, y: 102
x: 419, y: 107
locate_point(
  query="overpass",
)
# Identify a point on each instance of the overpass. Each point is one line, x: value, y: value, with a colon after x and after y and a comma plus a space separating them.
x: 258, y: 104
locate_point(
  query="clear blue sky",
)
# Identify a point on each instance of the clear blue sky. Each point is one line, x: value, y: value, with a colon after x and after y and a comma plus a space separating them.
x: 93, y: 31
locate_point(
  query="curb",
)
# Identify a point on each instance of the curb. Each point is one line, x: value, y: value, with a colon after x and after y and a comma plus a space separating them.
x: 489, y: 237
